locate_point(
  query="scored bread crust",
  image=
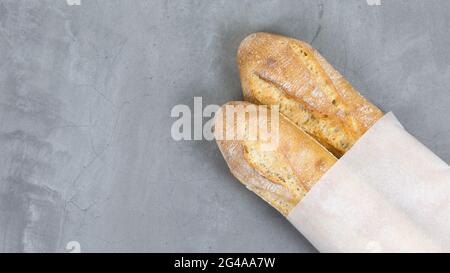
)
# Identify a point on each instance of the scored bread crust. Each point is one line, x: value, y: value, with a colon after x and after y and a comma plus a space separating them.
x: 281, y: 176
x: 277, y: 70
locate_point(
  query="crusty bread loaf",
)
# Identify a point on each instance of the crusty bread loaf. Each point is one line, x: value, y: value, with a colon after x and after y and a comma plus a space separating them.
x: 277, y: 70
x: 281, y: 175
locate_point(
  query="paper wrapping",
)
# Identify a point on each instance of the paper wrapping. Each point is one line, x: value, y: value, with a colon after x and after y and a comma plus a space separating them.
x: 388, y: 193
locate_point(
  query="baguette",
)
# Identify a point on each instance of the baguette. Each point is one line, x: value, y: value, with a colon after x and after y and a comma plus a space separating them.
x: 277, y: 70
x: 281, y: 176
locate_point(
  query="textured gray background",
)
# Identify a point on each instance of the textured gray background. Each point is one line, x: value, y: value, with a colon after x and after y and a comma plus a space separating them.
x: 86, y: 92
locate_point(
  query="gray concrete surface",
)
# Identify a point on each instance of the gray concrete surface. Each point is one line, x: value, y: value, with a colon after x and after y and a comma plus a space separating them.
x: 86, y: 91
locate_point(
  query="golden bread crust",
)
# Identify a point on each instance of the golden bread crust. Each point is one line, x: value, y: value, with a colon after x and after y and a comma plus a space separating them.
x: 281, y: 176
x: 277, y: 70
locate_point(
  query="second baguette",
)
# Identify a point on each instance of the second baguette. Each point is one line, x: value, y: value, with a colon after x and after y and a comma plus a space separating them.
x: 281, y: 176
